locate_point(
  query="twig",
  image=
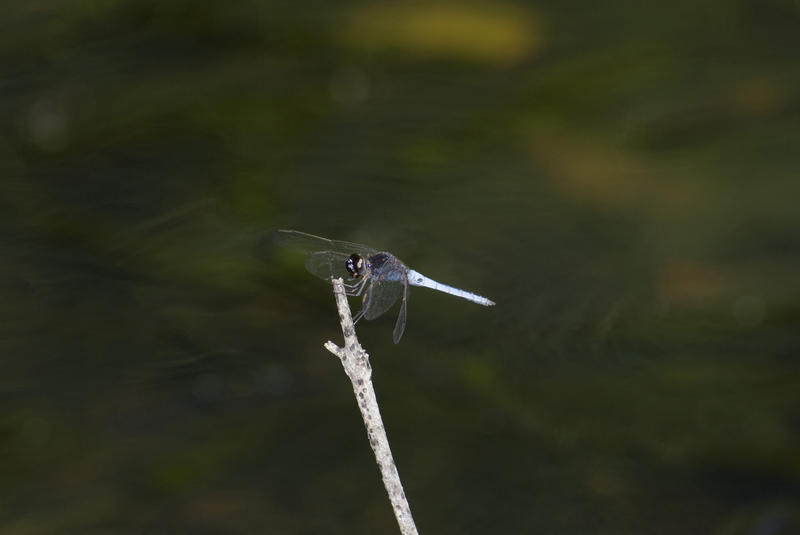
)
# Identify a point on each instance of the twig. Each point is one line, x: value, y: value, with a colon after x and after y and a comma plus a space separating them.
x: 357, y: 367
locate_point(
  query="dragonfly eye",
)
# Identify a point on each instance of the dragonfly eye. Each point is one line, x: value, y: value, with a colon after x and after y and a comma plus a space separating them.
x: 354, y: 265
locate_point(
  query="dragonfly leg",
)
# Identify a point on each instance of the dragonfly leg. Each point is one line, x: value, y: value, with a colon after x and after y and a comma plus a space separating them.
x: 363, y: 302
x: 356, y: 288
x: 350, y: 289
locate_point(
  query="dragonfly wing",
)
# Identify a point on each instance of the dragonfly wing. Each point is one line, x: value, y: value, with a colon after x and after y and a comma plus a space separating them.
x: 380, y: 296
x: 294, y: 239
x: 400, y: 326
x: 327, y: 265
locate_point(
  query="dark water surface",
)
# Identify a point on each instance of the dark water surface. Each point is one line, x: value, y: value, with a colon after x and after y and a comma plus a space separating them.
x: 622, y: 179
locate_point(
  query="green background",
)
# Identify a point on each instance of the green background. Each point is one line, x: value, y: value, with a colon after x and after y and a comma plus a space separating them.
x: 621, y: 178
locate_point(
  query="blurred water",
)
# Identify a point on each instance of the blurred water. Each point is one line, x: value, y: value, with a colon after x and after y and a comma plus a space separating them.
x: 620, y: 179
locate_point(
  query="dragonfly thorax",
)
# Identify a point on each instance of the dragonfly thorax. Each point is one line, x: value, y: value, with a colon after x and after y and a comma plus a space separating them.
x: 386, y: 267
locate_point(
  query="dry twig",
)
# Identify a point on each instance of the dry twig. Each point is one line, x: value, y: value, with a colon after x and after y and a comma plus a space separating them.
x: 357, y: 367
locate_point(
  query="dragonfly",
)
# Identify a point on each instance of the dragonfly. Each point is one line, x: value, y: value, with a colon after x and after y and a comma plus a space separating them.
x: 379, y: 277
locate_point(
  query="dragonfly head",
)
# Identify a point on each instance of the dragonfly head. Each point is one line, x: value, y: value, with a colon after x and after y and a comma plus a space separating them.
x: 355, y: 265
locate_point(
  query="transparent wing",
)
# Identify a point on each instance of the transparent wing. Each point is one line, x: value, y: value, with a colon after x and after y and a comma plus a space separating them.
x: 294, y: 239
x: 380, y: 296
x: 400, y: 326
x: 327, y: 264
